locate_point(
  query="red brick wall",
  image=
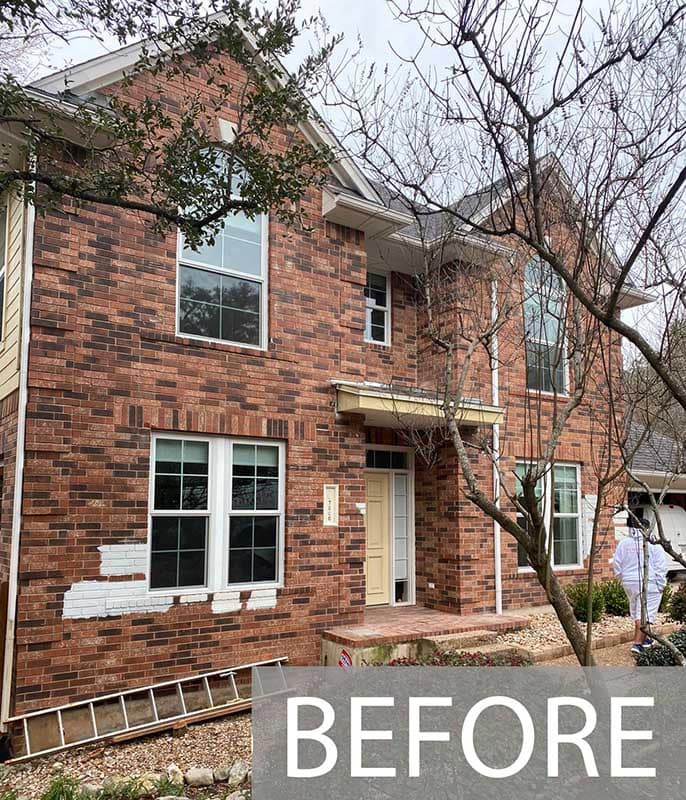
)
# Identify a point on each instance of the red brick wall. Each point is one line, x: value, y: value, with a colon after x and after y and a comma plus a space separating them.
x: 8, y: 451
x: 107, y: 370
x: 455, y: 541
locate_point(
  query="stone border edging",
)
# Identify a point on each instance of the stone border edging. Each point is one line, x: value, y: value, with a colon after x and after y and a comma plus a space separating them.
x: 612, y: 640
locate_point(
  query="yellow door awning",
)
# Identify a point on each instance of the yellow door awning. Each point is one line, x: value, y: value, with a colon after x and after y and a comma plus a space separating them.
x: 388, y: 407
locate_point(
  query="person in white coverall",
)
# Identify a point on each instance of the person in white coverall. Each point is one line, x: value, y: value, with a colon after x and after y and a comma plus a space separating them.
x: 628, y: 567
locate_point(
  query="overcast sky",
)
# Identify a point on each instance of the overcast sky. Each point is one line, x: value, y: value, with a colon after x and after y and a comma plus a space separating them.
x: 369, y: 19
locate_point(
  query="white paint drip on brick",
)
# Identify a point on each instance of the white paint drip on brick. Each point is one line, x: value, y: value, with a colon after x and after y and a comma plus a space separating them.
x: 89, y: 599
x: 123, y: 559
x: 262, y: 598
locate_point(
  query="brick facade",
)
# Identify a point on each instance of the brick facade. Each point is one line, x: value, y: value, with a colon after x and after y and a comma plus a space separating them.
x: 107, y: 370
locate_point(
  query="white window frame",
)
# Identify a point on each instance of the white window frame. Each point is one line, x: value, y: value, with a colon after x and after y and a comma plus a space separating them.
x: 219, y: 491
x: 370, y: 306
x: 564, y: 389
x: 262, y: 279
x: 548, y: 505
x: 4, y: 203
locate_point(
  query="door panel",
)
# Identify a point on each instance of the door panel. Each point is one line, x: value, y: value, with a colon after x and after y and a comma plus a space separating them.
x: 377, y: 521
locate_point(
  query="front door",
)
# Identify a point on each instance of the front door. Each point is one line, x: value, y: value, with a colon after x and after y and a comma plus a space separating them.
x: 378, y: 524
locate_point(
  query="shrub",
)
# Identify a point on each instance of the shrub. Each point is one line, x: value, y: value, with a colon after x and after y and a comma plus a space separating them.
x: 166, y: 787
x: 63, y: 787
x: 660, y: 656
x: 459, y: 658
x: 616, y: 601
x: 577, y: 594
x: 677, y: 604
x: 666, y: 599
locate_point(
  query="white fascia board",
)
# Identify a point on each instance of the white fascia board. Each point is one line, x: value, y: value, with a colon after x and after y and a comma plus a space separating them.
x: 632, y: 298
x: 356, y: 212
x: 467, y: 238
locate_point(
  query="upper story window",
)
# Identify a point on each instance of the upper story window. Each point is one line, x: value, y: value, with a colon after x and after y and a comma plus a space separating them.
x: 216, y: 513
x: 4, y: 221
x: 561, y: 496
x: 222, y: 292
x: 377, y: 293
x: 544, y: 305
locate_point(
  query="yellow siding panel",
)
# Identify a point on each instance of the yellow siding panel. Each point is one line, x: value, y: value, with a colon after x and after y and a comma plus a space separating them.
x: 9, y: 345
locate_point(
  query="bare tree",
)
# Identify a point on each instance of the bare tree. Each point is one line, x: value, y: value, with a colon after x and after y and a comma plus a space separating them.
x: 477, y: 319
x: 560, y: 133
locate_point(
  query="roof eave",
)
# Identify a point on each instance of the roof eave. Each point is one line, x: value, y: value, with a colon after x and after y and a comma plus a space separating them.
x: 361, y: 214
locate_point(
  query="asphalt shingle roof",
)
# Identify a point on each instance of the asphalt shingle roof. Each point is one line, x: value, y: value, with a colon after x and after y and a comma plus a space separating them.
x: 654, y: 452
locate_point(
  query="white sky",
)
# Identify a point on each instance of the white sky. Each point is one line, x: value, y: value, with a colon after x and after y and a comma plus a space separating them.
x: 369, y: 19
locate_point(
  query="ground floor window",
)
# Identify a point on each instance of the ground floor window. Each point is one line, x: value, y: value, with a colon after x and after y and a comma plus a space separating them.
x: 216, y: 513
x: 559, y: 498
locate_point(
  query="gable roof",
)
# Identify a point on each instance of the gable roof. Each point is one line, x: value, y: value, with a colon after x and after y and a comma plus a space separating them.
x: 82, y: 82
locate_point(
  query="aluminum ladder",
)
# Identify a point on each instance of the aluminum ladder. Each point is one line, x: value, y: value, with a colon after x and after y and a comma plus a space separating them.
x: 145, y: 709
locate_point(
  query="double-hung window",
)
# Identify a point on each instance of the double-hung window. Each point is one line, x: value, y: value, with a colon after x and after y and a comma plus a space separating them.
x: 561, y: 496
x: 377, y: 294
x: 222, y: 286
x: 544, y: 305
x: 217, y: 513
x: 4, y: 215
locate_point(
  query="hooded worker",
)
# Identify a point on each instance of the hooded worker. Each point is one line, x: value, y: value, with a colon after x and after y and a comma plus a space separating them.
x: 628, y: 567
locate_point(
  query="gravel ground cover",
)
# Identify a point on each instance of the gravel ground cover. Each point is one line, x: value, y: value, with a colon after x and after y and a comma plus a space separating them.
x: 210, y: 744
x: 545, y: 631
x: 619, y: 656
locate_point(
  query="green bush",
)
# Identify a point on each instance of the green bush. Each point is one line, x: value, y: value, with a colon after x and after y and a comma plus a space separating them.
x: 577, y: 594
x: 659, y: 656
x: 666, y: 599
x: 616, y: 601
x: 63, y: 788
x: 677, y: 604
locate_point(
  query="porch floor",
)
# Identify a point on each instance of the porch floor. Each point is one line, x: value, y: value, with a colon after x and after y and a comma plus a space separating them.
x: 383, y: 625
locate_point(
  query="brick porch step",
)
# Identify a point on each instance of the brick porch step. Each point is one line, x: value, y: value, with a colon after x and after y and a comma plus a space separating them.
x: 383, y: 626
x: 462, y: 641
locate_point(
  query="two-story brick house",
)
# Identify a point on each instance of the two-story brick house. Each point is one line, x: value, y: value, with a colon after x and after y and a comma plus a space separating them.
x: 201, y: 463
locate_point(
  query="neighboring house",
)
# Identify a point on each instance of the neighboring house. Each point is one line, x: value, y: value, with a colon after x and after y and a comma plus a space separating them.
x: 211, y: 471
x: 658, y: 464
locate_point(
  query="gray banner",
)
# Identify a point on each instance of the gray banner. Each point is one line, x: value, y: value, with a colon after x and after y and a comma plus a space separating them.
x: 514, y: 733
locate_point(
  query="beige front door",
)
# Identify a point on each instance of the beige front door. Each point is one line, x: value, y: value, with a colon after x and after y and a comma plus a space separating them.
x: 377, y: 520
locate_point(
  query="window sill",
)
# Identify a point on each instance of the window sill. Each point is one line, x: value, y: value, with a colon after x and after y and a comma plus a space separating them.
x: 209, y: 344
x: 562, y: 568
x: 385, y: 345
x: 198, y: 592
x: 194, y: 591
x: 548, y: 395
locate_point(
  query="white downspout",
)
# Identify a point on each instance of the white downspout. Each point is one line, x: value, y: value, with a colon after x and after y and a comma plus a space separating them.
x: 495, y: 400
x: 8, y: 662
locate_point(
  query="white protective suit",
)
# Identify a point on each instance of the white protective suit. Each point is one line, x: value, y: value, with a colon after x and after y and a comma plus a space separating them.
x: 628, y: 567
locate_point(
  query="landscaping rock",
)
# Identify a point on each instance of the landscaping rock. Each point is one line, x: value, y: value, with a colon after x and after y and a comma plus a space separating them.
x: 238, y: 773
x: 90, y: 789
x: 175, y: 775
x: 146, y: 785
x: 173, y: 797
x: 199, y: 776
x: 115, y: 781
x: 222, y: 774
x: 236, y: 796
